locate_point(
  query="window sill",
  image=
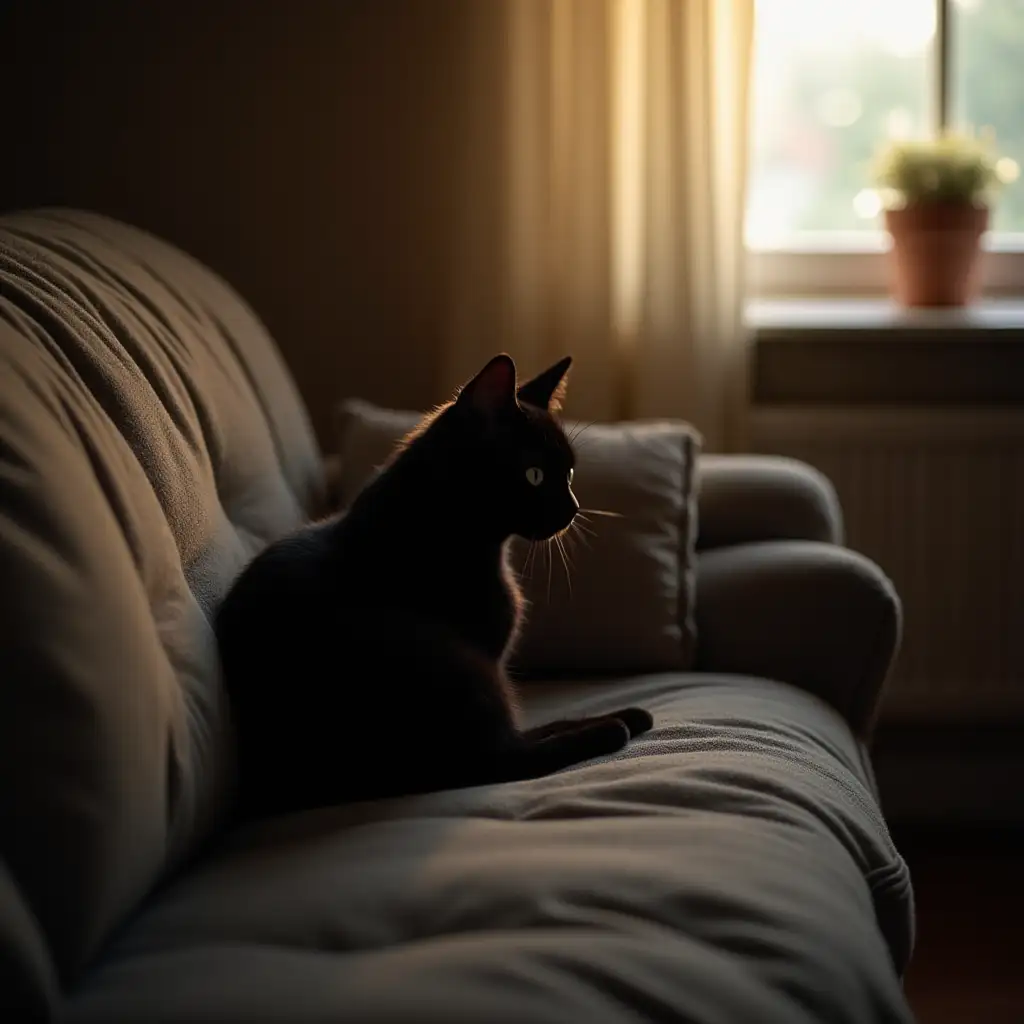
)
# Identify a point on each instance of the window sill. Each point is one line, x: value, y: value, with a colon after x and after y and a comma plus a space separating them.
x: 872, y: 351
x: 877, y: 318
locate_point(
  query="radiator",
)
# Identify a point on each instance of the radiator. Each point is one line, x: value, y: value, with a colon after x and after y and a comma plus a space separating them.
x: 936, y: 497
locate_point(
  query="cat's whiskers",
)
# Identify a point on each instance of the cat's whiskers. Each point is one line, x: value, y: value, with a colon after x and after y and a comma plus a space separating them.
x: 579, y: 429
x: 567, y: 541
x: 528, y: 564
x: 578, y: 532
x: 582, y: 523
x: 600, y: 512
x: 565, y: 561
x: 569, y: 537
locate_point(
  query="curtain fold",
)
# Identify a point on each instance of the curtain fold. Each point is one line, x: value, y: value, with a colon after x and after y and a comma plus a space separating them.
x: 601, y: 194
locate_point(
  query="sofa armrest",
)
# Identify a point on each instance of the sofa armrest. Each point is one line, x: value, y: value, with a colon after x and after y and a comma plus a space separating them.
x: 821, y: 617
x: 764, y: 497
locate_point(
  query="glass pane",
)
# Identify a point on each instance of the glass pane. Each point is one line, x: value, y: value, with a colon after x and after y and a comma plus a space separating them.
x: 988, y: 88
x: 833, y: 79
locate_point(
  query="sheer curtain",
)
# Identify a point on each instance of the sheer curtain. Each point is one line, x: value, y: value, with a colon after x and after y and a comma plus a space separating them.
x: 601, y: 188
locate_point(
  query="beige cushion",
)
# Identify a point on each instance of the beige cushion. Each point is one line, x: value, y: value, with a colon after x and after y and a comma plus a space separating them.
x: 627, y: 604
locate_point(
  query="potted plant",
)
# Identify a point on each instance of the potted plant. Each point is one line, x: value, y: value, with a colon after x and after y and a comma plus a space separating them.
x: 936, y: 195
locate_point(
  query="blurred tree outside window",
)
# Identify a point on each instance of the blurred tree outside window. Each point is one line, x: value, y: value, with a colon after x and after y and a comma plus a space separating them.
x: 835, y: 79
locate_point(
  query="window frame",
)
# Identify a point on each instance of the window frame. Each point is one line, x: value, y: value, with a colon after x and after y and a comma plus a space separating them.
x: 854, y: 263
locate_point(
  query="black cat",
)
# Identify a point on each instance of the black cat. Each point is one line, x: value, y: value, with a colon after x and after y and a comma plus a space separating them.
x: 363, y: 655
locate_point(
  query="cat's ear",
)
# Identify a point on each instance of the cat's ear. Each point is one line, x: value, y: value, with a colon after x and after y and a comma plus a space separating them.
x: 493, y: 389
x: 547, y: 389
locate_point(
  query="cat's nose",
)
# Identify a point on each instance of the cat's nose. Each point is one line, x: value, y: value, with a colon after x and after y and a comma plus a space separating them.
x: 574, y: 504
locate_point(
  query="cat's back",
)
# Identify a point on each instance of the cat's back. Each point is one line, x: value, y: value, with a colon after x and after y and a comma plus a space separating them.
x: 280, y: 588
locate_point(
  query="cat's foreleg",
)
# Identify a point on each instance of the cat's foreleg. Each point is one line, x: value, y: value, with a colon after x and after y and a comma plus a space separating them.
x: 590, y: 738
x: 636, y: 720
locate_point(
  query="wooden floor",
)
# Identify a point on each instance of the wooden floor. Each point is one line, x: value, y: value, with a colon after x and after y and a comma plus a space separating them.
x: 968, y: 964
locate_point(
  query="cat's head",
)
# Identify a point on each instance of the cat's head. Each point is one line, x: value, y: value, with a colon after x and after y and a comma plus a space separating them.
x: 515, y: 460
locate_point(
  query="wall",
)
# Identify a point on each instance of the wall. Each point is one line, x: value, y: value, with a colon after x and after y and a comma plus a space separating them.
x: 306, y: 151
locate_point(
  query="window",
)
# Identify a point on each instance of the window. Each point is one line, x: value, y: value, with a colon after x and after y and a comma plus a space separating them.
x: 833, y: 80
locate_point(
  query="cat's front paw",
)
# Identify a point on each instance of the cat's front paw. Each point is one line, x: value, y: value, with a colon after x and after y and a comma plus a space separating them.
x: 636, y: 720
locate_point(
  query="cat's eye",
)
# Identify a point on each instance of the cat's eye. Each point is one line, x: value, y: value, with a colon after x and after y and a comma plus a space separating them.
x: 535, y: 475
x: 569, y: 476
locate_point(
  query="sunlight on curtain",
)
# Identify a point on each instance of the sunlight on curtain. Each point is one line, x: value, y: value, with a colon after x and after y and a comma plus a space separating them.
x: 607, y: 168
x: 629, y: 139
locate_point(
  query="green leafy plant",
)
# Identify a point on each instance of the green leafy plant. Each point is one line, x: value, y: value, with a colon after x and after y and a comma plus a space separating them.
x: 954, y: 168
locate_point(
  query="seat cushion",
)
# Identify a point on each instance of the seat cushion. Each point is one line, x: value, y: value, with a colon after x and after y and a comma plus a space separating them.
x: 730, y: 866
x: 151, y: 441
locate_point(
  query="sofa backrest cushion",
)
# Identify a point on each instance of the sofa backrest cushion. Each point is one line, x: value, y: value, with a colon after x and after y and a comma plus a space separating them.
x: 151, y: 442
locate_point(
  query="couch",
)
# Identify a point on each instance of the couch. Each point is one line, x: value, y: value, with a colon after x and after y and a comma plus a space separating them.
x: 732, y: 865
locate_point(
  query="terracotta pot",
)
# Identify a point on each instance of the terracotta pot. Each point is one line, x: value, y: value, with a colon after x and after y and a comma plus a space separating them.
x: 936, y: 252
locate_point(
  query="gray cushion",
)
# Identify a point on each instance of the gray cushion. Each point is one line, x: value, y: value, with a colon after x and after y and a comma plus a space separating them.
x: 151, y: 441
x: 730, y: 866
x: 626, y: 602
x: 765, y: 497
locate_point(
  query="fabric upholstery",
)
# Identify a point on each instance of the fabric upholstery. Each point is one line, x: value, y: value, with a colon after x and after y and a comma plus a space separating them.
x: 765, y: 497
x: 821, y: 617
x: 730, y: 866
x: 626, y: 605
x: 29, y: 988
x: 151, y: 441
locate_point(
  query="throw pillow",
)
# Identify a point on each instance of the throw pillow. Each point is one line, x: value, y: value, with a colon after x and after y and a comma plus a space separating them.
x: 626, y: 603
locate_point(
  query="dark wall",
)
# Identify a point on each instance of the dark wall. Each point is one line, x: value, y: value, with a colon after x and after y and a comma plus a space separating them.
x: 305, y: 149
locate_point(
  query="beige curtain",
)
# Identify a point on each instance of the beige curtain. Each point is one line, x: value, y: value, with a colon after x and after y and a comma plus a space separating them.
x: 601, y: 190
